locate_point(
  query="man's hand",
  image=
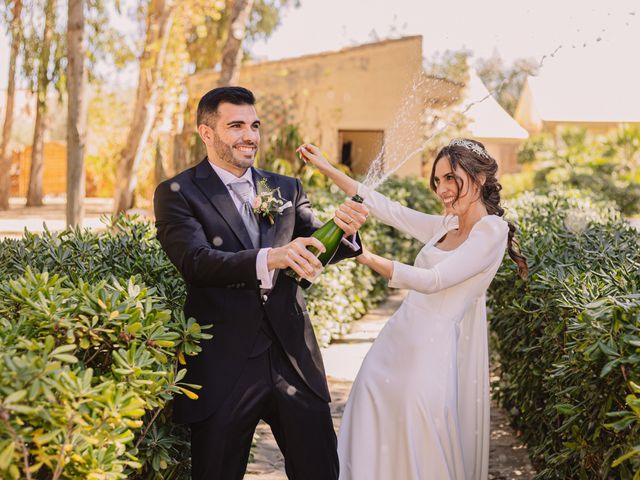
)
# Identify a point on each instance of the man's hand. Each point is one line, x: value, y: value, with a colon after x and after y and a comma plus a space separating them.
x: 295, y: 255
x: 350, y: 216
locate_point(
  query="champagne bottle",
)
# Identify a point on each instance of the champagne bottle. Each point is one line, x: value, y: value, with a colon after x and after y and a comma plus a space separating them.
x: 330, y: 235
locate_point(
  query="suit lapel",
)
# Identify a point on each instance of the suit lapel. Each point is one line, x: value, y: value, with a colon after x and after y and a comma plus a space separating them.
x: 267, y: 229
x: 217, y: 192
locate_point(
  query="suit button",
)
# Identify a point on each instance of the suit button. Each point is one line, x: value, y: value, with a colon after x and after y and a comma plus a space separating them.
x: 264, y: 298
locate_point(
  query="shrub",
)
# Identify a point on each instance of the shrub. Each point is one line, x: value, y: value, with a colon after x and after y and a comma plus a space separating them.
x: 609, y: 167
x: 513, y: 184
x: 128, y: 249
x: 568, y: 337
x: 82, y: 368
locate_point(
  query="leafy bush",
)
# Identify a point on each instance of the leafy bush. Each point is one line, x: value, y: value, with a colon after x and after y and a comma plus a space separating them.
x: 127, y: 248
x: 568, y: 338
x: 84, y: 260
x: 513, y: 184
x: 609, y: 167
x: 93, y: 334
x: 81, y: 366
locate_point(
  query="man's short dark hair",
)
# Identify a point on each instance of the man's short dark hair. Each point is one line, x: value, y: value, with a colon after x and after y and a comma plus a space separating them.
x: 208, y: 105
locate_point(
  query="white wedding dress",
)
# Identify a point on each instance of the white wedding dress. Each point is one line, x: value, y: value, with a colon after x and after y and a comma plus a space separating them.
x: 419, y: 407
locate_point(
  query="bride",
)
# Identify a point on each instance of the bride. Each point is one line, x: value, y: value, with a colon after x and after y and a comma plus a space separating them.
x: 419, y: 407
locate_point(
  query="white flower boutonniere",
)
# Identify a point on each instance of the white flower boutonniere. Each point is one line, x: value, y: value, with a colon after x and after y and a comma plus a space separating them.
x: 267, y: 202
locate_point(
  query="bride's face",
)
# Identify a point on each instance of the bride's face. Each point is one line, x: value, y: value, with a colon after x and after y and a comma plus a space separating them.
x: 451, y: 184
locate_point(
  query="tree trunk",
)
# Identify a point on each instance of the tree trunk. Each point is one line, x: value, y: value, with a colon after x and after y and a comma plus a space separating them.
x: 76, y: 112
x: 36, y: 174
x: 159, y: 19
x: 181, y: 157
x: 232, y: 51
x: 160, y: 172
x: 160, y: 167
x: 5, y: 154
x: 34, y: 194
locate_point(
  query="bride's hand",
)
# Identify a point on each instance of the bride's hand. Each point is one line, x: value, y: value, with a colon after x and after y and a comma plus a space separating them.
x: 364, y: 257
x: 313, y: 155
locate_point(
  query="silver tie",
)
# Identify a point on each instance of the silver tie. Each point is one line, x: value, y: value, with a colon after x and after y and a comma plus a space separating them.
x: 243, y: 192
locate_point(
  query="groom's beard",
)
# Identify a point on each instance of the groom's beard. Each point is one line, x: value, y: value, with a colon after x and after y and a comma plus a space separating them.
x: 226, y: 153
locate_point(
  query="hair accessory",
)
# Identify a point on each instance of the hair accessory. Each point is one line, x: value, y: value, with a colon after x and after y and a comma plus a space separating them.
x: 474, y: 147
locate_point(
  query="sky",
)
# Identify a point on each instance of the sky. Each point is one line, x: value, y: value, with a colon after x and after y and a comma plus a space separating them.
x: 513, y: 28
x: 588, y: 29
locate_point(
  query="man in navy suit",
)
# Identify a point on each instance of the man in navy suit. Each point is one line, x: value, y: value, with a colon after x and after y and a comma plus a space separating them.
x: 263, y: 361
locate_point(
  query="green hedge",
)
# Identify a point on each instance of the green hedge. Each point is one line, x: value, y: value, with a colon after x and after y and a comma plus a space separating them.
x: 93, y: 334
x: 568, y: 339
x: 80, y: 366
x: 608, y: 166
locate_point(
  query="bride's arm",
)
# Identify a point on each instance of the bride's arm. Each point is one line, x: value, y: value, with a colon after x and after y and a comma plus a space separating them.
x: 376, y: 263
x: 422, y: 226
x: 485, y: 243
x: 312, y: 154
x: 417, y: 224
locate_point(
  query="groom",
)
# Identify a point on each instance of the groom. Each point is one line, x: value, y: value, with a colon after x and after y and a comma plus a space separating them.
x: 263, y: 361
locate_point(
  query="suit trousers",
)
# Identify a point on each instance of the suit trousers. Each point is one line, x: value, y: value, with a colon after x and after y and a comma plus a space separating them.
x: 269, y: 389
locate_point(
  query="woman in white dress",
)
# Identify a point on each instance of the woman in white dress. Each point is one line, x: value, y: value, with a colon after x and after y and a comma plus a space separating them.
x: 419, y: 407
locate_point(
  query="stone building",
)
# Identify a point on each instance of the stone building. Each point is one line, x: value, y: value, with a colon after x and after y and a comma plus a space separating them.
x: 353, y: 101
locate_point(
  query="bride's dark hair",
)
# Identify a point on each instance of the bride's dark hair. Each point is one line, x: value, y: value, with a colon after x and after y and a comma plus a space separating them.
x: 474, y: 159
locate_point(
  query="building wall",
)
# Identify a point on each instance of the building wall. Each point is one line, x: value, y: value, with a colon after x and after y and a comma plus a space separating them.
x: 526, y: 114
x: 54, y: 181
x: 364, y: 146
x: 360, y: 88
x: 54, y: 170
x: 595, y: 128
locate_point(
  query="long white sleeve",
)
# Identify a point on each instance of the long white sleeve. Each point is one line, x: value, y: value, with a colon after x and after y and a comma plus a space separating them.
x: 486, y: 242
x: 419, y: 225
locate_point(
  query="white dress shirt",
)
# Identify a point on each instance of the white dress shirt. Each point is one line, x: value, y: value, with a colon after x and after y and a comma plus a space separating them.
x: 264, y: 275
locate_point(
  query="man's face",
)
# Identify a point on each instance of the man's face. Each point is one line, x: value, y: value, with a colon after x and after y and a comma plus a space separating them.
x: 235, y: 136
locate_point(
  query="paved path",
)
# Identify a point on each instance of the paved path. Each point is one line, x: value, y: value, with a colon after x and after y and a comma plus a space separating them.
x: 508, y: 458
x: 18, y: 217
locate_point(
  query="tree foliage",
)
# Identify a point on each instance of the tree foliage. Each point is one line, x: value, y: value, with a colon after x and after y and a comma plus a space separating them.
x: 608, y: 166
x: 505, y: 82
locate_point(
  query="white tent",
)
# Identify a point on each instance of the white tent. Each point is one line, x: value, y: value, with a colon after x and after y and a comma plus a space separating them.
x: 490, y: 124
x: 487, y: 118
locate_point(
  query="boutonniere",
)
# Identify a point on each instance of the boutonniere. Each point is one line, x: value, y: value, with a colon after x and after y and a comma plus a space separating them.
x: 268, y: 201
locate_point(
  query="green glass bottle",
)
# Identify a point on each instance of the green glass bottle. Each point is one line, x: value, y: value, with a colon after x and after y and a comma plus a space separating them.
x: 330, y: 236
